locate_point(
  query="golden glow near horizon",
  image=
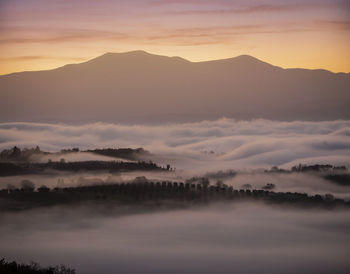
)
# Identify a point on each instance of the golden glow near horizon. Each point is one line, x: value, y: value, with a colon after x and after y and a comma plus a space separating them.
x: 39, y: 34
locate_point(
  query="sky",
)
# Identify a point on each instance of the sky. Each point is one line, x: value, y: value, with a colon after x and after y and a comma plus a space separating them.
x: 40, y: 34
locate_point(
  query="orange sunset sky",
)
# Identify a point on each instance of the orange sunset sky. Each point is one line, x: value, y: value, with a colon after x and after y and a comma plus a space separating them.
x: 41, y: 34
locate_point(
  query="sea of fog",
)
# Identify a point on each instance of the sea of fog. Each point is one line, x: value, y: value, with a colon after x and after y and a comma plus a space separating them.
x: 221, y: 238
x: 200, y: 146
x: 194, y: 149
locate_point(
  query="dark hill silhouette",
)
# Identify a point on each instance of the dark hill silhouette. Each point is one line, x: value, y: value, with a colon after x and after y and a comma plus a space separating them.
x: 141, y: 87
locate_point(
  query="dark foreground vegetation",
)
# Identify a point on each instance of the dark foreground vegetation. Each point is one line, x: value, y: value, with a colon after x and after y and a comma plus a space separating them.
x: 155, y: 193
x: 32, y: 268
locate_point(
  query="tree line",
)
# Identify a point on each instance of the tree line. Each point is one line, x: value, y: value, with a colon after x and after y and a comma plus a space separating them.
x: 32, y: 268
x: 137, y: 193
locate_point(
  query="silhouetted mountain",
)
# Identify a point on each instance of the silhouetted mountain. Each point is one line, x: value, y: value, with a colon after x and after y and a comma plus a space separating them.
x: 142, y: 87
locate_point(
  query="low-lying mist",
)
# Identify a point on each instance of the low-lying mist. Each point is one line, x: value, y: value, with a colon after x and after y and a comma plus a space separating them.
x: 201, y: 146
x: 225, y: 237
x: 220, y: 238
x: 74, y: 157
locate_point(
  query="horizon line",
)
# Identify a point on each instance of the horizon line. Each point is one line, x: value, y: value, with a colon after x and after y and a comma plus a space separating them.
x: 174, y: 56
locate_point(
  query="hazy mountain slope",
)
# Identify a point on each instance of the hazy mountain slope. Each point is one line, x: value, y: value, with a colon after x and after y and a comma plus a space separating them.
x: 141, y: 87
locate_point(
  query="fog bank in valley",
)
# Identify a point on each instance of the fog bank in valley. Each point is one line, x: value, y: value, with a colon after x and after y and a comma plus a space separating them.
x: 237, y: 237
x: 221, y: 238
x: 201, y: 146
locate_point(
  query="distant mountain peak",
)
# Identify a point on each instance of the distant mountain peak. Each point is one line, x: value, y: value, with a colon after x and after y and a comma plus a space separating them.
x: 138, y: 86
x: 248, y: 59
x: 243, y: 62
x: 138, y: 55
x: 130, y: 53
